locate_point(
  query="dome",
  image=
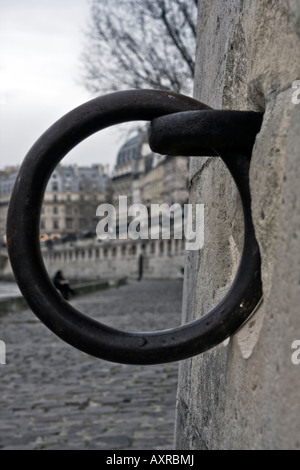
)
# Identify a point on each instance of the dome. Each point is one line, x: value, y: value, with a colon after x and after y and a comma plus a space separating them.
x: 131, y: 150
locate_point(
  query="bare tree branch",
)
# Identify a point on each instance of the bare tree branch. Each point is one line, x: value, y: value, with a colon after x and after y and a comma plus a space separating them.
x: 140, y: 44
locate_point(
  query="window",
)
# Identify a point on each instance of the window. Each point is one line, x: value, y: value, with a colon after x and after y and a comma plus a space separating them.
x: 82, y: 224
x: 54, y: 186
x: 43, y: 225
x: 69, y: 224
x: 55, y: 224
x: 55, y: 210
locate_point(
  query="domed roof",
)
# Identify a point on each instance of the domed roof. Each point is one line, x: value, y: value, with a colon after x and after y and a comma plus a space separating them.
x: 131, y: 150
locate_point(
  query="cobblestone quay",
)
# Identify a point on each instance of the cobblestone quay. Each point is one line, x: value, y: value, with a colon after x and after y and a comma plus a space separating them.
x: 55, y: 397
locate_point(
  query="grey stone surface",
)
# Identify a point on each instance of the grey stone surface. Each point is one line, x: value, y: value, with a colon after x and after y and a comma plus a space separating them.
x: 244, y: 394
x: 55, y: 397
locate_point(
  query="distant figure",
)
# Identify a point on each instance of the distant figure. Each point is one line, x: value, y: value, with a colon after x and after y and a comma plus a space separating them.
x: 141, y: 267
x: 62, y: 285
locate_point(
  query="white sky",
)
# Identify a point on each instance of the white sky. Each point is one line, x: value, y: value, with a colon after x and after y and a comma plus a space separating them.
x: 40, y: 46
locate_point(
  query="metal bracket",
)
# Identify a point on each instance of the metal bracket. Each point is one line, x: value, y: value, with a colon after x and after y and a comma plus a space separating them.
x: 205, y: 133
x: 221, y: 129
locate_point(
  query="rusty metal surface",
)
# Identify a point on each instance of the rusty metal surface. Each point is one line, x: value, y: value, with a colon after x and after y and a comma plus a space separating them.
x: 71, y: 325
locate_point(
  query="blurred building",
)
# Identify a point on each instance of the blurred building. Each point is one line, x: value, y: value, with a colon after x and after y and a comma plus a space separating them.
x: 70, y: 203
x: 74, y: 193
x: 149, y: 178
x: 7, y: 180
x: 71, y: 199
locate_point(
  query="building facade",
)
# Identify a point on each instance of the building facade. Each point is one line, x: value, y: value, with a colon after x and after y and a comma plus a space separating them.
x: 74, y: 193
x: 7, y: 181
x: 71, y: 200
x: 148, y: 178
x: 70, y: 203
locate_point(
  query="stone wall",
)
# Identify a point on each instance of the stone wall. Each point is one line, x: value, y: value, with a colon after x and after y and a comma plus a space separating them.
x: 243, y: 394
x: 162, y: 259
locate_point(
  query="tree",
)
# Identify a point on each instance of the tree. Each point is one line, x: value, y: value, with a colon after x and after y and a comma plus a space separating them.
x: 140, y: 44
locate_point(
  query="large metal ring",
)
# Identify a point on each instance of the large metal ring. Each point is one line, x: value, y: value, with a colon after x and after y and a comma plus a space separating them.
x: 72, y: 326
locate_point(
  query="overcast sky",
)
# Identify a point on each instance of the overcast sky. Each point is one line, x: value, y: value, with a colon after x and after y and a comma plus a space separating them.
x: 40, y: 46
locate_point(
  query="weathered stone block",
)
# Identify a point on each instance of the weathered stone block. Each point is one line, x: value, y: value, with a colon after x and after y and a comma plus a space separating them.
x: 243, y: 394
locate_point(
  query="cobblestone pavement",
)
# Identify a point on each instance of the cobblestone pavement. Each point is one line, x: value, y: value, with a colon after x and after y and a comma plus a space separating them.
x: 55, y: 397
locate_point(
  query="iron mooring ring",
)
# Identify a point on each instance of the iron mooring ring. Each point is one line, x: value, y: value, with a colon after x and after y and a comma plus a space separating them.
x: 23, y: 230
